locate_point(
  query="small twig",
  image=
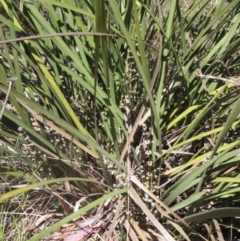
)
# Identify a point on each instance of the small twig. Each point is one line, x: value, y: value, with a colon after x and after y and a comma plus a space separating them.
x: 227, y: 80
x: 10, y: 80
x: 26, y: 214
x: 77, y: 33
x: 224, y: 66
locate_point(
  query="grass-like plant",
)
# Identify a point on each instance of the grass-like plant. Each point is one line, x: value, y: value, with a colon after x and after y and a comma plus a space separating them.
x: 132, y: 105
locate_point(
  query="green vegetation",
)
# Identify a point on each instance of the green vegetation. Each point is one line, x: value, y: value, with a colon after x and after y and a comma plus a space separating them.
x: 123, y: 112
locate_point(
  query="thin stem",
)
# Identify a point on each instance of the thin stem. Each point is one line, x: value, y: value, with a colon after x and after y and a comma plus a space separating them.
x: 10, y: 80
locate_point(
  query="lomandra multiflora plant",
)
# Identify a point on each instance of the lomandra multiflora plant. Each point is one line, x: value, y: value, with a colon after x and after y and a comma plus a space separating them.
x: 131, y: 107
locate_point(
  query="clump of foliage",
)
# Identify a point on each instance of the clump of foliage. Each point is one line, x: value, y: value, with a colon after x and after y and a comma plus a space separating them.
x: 134, y: 102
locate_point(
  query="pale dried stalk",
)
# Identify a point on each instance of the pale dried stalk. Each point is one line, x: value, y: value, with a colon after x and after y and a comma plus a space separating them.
x: 10, y: 81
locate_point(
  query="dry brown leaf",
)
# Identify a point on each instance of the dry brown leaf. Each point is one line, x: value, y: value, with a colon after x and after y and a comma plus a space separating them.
x: 149, y: 214
x: 78, y: 236
x: 175, y: 225
x: 130, y: 231
x: 218, y: 230
x: 116, y: 217
x: 209, y: 230
x: 57, y: 129
x: 157, y: 200
x: 138, y: 230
